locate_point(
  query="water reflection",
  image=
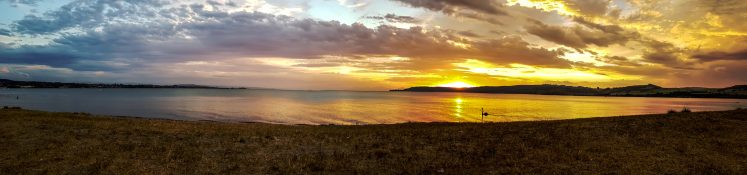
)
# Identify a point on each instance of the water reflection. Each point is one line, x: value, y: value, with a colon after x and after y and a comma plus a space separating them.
x: 458, y: 108
x: 339, y: 107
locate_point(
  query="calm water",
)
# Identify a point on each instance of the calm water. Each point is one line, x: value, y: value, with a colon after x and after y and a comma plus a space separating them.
x: 342, y: 107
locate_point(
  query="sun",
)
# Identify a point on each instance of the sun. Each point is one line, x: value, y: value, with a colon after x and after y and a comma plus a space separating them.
x: 457, y: 84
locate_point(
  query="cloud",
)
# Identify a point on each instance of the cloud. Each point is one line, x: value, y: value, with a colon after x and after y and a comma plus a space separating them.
x: 617, y: 60
x: 590, y: 7
x: 87, y: 14
x: 392, y: 18
x: 24, y: 2
x: 720, y: 55
x: 453, y: 6
x: 481, y: 10
x: 54, y: 56
x: 574, y: 8
x: 515, y: 50
x: 581, y: 37
x: 664, y: 53
x: 469, y: 34
x: 176, y: 40
x: 5, y: 32
x: 585, y: 34
x: 223, y: 35
x: 354, y: 3
x: 723, y: 73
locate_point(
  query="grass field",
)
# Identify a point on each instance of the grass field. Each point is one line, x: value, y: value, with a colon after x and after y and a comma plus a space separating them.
x: 34, y: 142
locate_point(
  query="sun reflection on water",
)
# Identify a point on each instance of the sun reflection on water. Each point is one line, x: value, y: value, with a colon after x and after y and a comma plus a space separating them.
x: 342, y: 107
x: 458, y: 107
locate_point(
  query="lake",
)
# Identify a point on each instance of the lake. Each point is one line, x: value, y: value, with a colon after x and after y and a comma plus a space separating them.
x: 343, y: 107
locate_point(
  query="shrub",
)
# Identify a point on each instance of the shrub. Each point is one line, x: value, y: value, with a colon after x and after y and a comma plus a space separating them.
x: 686, y: 110
x: 11, y: 107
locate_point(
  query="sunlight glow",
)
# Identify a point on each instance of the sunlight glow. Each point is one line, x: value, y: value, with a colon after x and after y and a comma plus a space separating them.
x: 586, y: 57
x: 458, y: 107
x: 457, y: 84
x: 546, y: 5
x: 527, y: 72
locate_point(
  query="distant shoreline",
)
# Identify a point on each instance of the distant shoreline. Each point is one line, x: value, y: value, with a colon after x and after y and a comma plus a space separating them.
x: 5, y: 83
x: 650, y: 90
x: 395, y: 91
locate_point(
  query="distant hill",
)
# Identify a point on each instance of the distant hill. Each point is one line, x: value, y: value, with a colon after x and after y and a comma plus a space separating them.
x: 649, y: 90
x: 737, y: 87
x: 5, y: 83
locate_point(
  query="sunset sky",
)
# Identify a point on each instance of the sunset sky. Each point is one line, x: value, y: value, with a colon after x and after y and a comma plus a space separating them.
x: 376, y: 44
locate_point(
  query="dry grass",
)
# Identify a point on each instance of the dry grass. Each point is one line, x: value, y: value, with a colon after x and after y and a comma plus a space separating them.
x: 33, y: 142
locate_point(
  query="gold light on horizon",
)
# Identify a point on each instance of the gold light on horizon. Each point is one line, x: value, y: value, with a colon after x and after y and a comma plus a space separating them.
x: 457, y: 84
x: 527, y: 72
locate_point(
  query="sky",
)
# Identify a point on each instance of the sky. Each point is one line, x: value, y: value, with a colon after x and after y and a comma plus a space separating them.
x: 376, y: 44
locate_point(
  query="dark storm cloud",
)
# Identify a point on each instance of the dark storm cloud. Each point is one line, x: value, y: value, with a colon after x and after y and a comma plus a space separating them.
x: 220, y: 35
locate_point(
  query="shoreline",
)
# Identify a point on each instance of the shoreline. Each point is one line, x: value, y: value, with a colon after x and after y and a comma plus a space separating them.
x: 571, y: 95
x: 405, y: 91
x: 87, y: 114
x: 34, y: 142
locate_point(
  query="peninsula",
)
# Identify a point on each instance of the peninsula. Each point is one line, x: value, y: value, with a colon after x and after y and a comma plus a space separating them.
x: 649, y: 90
